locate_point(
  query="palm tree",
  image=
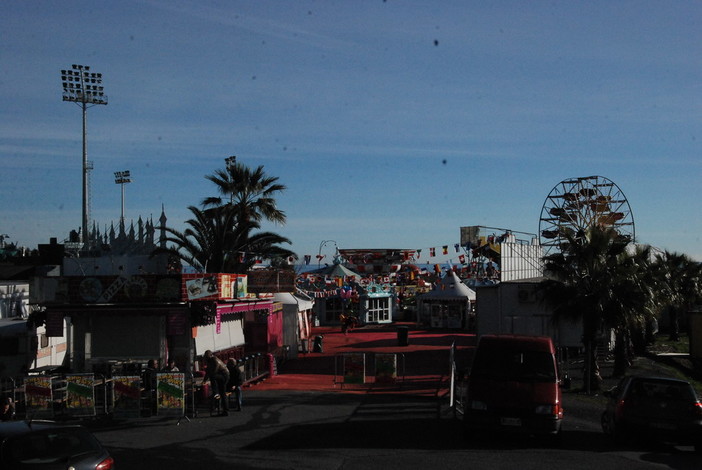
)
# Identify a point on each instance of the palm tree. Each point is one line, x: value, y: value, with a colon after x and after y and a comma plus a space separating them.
x: 595, y: 280
x: 221, y: 236
x: 214, y: 242
x: 633, y: 305
x: 681, y: 286
x: 249, y: 192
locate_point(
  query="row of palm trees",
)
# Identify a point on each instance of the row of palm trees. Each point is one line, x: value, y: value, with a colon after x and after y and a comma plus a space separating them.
x: 224, y: 234
x: 609, y: 284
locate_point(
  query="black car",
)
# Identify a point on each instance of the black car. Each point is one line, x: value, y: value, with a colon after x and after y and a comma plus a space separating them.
x: 50, y: 445
x: 657, y: 408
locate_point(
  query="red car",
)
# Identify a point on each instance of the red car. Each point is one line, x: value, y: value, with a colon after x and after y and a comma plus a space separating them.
x: 657, y: 408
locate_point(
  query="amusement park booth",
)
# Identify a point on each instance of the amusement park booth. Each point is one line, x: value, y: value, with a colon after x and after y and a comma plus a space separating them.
x: 451, y: 304
x: 122, y: 320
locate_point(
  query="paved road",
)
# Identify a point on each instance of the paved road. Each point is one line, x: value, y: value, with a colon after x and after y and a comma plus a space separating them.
x: 294, y: 430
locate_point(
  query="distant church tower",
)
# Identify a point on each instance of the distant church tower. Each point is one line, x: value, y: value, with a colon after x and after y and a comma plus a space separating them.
x: 162, y: 220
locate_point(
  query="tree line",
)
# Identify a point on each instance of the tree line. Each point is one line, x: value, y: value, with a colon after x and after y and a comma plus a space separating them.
x: 610, y: 284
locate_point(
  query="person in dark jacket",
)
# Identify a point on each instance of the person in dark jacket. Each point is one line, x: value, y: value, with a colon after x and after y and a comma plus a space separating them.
x: 218, y: 375
x: 8, y: 409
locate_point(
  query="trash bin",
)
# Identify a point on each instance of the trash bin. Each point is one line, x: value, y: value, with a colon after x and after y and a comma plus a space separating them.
x: 403, y: 336
x: 304, y: 345
x: 317, y: 344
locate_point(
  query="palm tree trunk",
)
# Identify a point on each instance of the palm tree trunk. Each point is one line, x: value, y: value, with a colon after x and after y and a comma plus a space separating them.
x: 674, y: 324
x: 621, y: 354
x: 591, y: 375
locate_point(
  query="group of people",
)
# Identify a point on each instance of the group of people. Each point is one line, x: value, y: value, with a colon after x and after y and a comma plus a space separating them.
x: 224, y: 378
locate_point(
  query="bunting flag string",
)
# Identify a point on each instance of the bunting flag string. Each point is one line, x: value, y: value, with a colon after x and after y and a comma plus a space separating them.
x: 469, y: 249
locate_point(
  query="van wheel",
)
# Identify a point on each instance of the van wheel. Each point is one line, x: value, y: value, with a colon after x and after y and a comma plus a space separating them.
x: 554, y: 440
x: 607, y: 427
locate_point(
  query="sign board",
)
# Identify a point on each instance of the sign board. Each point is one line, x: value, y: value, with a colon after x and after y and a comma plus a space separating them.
x: 126, y: 396
x: 38, y: 397
x: 214, y: 286
x: 77, y: 290
x: 385, y: 368
x: 170, y: 394
x: 80, y: 394
x: 354, y: 368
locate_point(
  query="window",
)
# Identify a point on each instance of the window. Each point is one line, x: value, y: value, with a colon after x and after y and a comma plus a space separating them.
x: 333, y: 309
x: 378, y: 310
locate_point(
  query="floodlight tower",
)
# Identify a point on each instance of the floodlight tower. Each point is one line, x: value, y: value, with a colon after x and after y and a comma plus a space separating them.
x: 122, y: 177
x: 84, y: 88
x: 230, y: 163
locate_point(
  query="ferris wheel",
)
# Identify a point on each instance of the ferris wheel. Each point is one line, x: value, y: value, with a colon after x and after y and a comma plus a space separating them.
x: 580, y: 203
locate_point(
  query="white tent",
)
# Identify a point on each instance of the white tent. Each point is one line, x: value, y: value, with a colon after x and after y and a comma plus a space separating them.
x: 448, y: 305
x: 297, y: 320
x: 450, y: 287
x: 286, y: 298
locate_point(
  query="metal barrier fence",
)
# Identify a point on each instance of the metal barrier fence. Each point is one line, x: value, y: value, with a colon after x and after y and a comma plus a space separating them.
x: 378, y: 369
x: 129, y: 395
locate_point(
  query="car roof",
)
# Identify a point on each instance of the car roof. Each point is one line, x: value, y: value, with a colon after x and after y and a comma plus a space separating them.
x: 16, y: 428
x: 655, y: 378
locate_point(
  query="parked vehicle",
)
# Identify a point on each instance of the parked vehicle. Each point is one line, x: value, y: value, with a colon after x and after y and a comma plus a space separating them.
x: 50, y: 445
x: 513, y: 386
x: 664, y: 409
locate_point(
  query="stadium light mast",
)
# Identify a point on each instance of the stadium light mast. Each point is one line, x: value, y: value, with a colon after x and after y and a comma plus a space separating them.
x: 122, y: 178
x: 84, y: 88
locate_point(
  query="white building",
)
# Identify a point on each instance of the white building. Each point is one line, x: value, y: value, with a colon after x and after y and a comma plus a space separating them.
x: 515, y: 307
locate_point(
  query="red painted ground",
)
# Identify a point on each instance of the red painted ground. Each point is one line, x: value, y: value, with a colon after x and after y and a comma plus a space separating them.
x: 423, y: 365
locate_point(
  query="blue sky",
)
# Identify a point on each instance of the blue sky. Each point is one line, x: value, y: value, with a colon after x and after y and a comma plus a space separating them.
x: 392, y: 123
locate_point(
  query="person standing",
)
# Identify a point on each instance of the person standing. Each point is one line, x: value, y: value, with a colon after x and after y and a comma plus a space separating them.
x: 171, y: 367
x: 8, y: 409
x: 149, y: 380
x: 218, y: 375
x: 236, y: 380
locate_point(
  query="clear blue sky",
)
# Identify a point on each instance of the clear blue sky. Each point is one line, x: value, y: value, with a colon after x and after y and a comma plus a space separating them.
x: 392, y: 123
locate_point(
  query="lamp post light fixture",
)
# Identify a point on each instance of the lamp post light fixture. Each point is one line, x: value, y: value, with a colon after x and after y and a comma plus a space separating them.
x: 122, y: 178
x: 322, y: 245
x: 84, y: 88
x: 230, y: 163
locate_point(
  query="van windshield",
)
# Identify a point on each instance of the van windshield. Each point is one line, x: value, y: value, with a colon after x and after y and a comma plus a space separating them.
x: 525, y: 366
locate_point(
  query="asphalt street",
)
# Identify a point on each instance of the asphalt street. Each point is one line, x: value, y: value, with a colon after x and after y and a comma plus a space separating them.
x: 299, y: 430
x: 303, y: 419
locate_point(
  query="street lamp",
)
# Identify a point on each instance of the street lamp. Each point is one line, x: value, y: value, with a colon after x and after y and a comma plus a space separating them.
x: 322, y: 245
x: 230, y: 163
x: 84, y: 88
x: 122, y: 177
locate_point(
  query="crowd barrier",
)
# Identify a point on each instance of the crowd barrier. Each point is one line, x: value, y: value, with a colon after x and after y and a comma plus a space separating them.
x: 124, y: 394
x: 378, y: 369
